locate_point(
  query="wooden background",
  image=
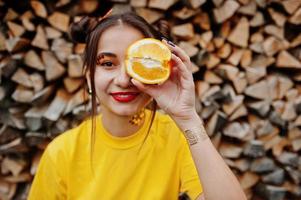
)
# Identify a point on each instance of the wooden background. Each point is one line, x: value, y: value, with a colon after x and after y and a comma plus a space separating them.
x: 246, y: 63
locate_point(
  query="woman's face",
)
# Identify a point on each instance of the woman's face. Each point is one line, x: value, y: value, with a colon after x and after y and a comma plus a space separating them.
x: 114, y: 89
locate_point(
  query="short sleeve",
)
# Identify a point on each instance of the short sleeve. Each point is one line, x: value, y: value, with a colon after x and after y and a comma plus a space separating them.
x: 48, y: 183
x: 189, y: 179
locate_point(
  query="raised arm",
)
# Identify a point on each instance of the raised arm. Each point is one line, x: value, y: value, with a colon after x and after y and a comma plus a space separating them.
x: 176, y: 97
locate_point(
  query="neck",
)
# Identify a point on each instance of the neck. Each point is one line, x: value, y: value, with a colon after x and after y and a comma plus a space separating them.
x: 117, y: 125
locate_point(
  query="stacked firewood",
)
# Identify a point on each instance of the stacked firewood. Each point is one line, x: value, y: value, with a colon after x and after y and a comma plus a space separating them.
x: 246, y: 57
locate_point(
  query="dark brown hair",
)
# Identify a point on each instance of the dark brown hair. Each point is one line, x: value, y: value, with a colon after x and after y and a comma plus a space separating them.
x: 88, y: 30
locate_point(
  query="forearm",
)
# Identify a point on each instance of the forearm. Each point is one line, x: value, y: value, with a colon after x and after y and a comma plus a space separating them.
x: 217, y: 179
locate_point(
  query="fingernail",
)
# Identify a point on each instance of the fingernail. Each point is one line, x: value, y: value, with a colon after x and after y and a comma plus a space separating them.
x: 164, y: 38
x: 171, y: 43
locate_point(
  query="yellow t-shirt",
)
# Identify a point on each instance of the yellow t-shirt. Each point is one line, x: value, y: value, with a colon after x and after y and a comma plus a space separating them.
x: 163, y: 168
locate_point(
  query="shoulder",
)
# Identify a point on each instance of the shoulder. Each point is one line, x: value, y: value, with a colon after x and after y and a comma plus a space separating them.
x: 168, y: 130
x: 66, y: 143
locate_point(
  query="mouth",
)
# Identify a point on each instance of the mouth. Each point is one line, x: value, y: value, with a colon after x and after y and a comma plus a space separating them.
x: 124, y: 96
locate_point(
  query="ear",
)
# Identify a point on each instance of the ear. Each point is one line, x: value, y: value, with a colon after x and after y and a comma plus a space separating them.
x: 88, y: 80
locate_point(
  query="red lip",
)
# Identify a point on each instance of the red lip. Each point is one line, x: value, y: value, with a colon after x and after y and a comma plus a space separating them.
x: 124, y: 96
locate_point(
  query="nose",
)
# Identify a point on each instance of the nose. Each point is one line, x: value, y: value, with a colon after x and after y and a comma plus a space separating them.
x: 122, y: 79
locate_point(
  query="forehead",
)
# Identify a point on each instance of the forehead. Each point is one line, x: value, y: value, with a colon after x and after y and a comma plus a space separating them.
x: 116, y: 39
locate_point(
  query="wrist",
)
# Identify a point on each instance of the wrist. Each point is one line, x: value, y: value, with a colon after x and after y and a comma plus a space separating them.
x: 195, y: 135
x: 188, y: 120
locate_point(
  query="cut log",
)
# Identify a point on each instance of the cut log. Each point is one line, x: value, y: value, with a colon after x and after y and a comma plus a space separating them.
x: 246, y: 58
x: 37, y: 81
x: 25, y: 18
x: 212, y: 78
x: 54, y: 69
x: 59, y: 21
x: 262, y: 61
x: 203, y: 20
x: 254, y: 74
x: 39, y: 8
x: 216, y: 122
x: 241, y: 111
x: 72, y: 84
x: 52, y: 33
x: 196, y: 3
x: 276, y: 177
x: 16, y: 44
x: 278, y: 18
x: 11, y: 15
x: 235, y: 57
x: 229, y: 150
x: 229, y: 108
x: 62, y: 49
x: 201, y: 88
x: 14, y: 165
x: 138, y: 3
x: 286, y: 60
x: 57, y: 106
x: 254, y: 149
x: 163, y: 5
x: 21, y: 77
x: 257, y: 20
x: 188, y: 48
x: 35, y: 162
x: 296, y: 41
x: 248, y: 180
x: 40, y: 39
x: 226, y: 11
x: 273, y: 45
x: 88, y: 6
x: 218, y: 42
x: 224, y: 51
x: 275, y: 31
x: 183, y: 31
x: 206, y: 39
x: 184, y: 13
x: 291, y: 5
x: 227, y: 71
x: 16, y: 29
x: 248, y: 9
x: 296, y: 18
x: 212, y: 61
x: 240, y: 82
x: 262, y: 165
x: 75, y: 66
x: 31, y: 59
x: 240, y: 34
x: 22, y: 94
x: 151, y: 16
x: 237, y: 130
x: 76, y: 100
x: 259, y: 90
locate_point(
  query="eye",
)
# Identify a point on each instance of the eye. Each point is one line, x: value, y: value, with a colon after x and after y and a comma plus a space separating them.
x: 107, y: 64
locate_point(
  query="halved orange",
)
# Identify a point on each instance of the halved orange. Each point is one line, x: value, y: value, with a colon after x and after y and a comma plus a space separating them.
x: 148, y: 61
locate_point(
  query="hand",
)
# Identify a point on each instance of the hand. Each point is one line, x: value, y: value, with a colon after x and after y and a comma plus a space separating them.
x: 176, y: 96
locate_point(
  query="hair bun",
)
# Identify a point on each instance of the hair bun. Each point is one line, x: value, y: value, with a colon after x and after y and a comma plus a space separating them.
x: 81, y: 29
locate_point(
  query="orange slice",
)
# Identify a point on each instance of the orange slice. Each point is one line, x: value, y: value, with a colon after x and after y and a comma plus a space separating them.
x: 148, y: 61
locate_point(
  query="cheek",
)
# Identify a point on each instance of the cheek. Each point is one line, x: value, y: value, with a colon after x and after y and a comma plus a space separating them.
x: 102, y: 80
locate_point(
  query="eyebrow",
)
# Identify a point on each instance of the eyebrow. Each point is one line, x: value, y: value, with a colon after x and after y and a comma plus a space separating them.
x: 107, y: 54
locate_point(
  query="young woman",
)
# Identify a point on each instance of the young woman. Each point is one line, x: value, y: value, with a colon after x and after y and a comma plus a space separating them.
x: 128, y: 151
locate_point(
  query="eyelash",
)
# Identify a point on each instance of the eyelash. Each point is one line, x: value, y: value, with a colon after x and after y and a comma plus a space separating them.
x: 105, y: 64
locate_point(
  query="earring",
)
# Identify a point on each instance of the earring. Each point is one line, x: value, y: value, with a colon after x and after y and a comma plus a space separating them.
x: 89, y: 91
x: 138, y: 118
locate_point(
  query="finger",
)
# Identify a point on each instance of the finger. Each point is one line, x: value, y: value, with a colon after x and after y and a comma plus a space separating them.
x: 148, y: 89
x: 177, y: 51
x: 177, y: 62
